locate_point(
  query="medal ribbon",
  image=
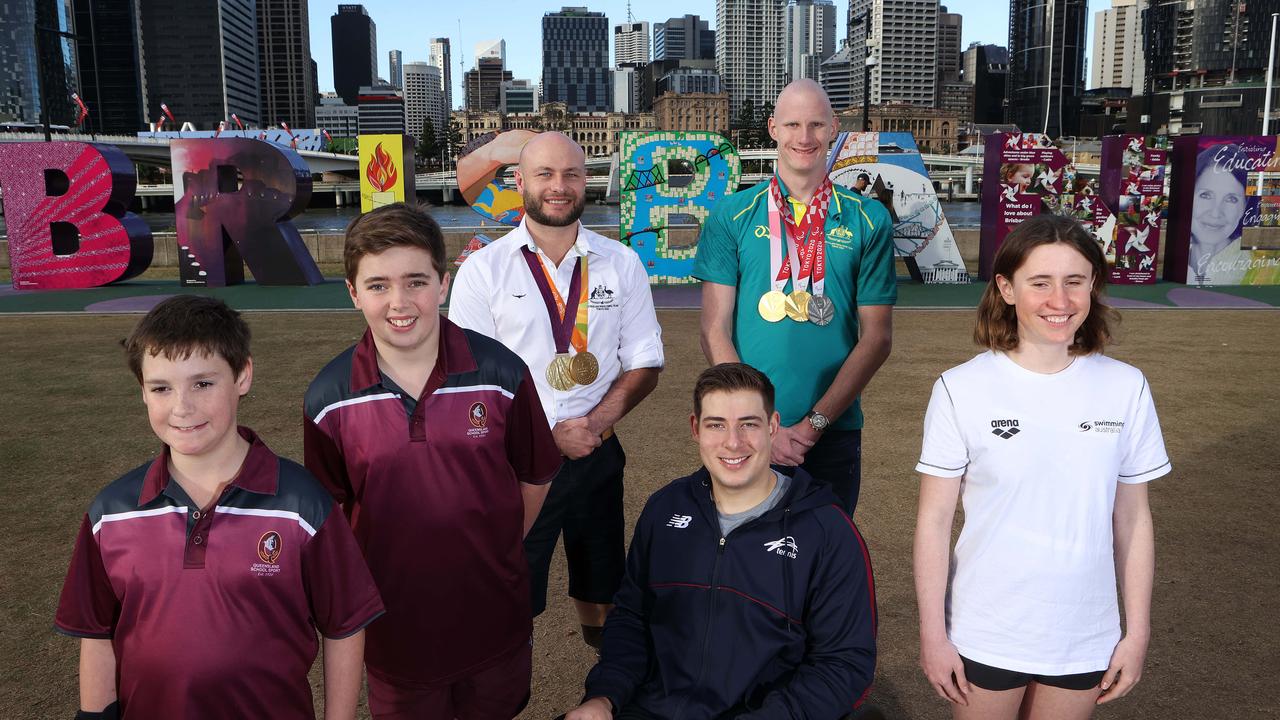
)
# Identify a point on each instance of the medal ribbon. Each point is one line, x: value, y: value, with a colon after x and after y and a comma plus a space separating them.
x: 565, y: 327
x: 807, y: 237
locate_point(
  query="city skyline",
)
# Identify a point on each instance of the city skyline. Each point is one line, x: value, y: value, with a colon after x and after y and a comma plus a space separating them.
x: 520, y: 25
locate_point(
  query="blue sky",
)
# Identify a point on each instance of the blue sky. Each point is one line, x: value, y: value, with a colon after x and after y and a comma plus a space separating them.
x: 406, y: 26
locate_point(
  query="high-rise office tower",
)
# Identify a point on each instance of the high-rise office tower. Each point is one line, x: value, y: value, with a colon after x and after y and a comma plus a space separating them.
x: 109, y: 48
x: 986, y: 68
x: 1205, y: 67
x: 423, y: 98
x: 684, y: 38
x: 382, y: 111
x: 284, y: 59
x: 1117, y: 47
x: 904, y: 44
x: 749, y: 51
x: 951, y: 93
x: 949, y: 31
x: 631, y: 43
x: 19, y: 86
x: 438, y: 56
x: 202, y: 60
x: 575, y: 59
x: 519, y: 96
x: 483, y: 84
x: 809, y: 32
x: 355, y: 51
x: 1046, y: 65
x: 838, y: 75
x: 395, y: 68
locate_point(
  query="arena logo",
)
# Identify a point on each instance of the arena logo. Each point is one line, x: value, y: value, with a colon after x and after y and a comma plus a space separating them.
x: 1110, y: 427
x: 1005, y: 428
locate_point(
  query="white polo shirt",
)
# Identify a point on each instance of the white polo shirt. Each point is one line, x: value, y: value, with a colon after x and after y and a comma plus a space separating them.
x: 1033, y: 585
x: 495, y: 294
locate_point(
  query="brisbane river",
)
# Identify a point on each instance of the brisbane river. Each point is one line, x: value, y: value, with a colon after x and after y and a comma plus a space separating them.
x: 334, y: 220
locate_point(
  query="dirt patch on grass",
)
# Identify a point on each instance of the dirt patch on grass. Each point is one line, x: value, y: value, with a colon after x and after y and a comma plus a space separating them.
x: 73, y: 421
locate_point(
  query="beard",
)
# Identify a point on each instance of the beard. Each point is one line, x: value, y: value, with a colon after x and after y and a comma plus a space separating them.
x: 533, y: 208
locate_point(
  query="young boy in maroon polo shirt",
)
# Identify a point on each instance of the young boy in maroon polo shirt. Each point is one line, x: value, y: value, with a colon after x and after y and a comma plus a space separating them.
x: 433, y: 439
x: 199, y: 579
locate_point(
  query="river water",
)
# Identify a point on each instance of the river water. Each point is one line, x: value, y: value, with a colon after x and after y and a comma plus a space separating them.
x: 334, y: 220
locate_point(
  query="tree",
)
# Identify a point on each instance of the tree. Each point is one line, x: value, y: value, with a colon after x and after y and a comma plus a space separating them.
x: 429, y: 144
x: 762, y: 126
x: 743, y: 127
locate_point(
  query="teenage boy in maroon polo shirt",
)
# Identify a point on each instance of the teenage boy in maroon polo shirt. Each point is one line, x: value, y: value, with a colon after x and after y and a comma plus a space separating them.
x: 435, y: 442
x: 199, y: 579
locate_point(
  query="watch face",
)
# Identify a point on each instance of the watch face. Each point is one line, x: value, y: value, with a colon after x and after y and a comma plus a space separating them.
x: 818, y: 421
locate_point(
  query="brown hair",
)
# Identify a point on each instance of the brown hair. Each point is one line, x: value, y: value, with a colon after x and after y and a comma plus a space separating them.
x: 997, y: 327
x: 727, y: 377
x: 186, y: 324
x: 395, y: 225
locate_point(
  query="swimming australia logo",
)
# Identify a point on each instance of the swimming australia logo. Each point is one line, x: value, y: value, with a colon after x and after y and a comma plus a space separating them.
x: 601, y: 297
x: 1107, y: 427
x: 785, y: 546
x: 478, y: 415
x: 1004, y: 428
x: 680, y: 521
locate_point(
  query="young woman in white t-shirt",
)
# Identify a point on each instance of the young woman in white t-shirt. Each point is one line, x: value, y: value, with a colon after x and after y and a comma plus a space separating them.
x: 1049, y: 446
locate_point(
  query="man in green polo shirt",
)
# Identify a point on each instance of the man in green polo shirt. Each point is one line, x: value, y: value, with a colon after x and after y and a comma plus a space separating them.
x: 798, y: 281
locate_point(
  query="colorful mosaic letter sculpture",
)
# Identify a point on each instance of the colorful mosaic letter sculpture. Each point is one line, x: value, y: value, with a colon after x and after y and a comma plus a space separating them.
x: 233, y: 198
x: 671, y: 178
x: 64, y: 207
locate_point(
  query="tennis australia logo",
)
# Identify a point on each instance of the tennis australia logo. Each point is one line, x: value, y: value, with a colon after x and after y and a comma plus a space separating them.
x: 270, y: 545
x: 1106, y: 427
x: 680, y: 522
x: 785, y: 546
x: 1005, y: 428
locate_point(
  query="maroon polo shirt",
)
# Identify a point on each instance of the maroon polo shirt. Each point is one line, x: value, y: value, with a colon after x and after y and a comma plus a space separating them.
x: 215, y: 614
x: 432, y: 488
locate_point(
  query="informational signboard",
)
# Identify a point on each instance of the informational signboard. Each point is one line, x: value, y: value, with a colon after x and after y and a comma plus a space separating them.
x: 669, y: 179
x: 888, y: 167
x: 1022, y: 176
x: 386, y: 170
x: 233, y: 200
x: 1127, y: 217
x: 64, y: 206
x: 1215, y: 184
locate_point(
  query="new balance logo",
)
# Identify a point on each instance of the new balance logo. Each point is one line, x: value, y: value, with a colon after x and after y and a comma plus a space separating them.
x: 680, y: 521
x: 1004, y: 428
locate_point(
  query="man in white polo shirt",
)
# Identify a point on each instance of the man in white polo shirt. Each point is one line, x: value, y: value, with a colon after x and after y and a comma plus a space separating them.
x: 576, y: 307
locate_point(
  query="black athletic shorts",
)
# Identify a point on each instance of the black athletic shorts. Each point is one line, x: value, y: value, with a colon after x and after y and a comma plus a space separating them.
x: 585, y: 501
x: 993, y: 678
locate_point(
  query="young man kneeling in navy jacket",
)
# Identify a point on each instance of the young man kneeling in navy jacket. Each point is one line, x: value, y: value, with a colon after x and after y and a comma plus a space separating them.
x: 748, y: 591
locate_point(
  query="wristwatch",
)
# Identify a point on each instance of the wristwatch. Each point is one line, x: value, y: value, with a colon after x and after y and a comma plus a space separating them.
x: 817, y: 420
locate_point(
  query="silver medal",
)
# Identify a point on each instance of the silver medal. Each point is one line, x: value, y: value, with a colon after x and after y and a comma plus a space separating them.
x: 821, y: 310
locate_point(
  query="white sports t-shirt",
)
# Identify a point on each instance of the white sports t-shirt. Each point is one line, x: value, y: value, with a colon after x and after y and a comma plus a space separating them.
x: 1033, y: 585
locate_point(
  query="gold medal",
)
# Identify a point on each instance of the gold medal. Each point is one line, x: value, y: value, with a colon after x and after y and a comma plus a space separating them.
x: 797, y: 306
x: 558, y: 375
x: 773, y: 305
x: 584, y: 368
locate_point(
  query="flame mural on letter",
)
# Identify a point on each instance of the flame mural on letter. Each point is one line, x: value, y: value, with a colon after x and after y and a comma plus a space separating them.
x: 381, y: 172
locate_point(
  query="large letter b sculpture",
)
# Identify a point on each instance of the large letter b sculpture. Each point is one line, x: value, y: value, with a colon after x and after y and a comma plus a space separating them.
x: 65, y: 206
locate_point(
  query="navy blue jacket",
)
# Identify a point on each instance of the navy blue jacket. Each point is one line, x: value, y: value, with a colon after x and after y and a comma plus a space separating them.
x: 776, y: 620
